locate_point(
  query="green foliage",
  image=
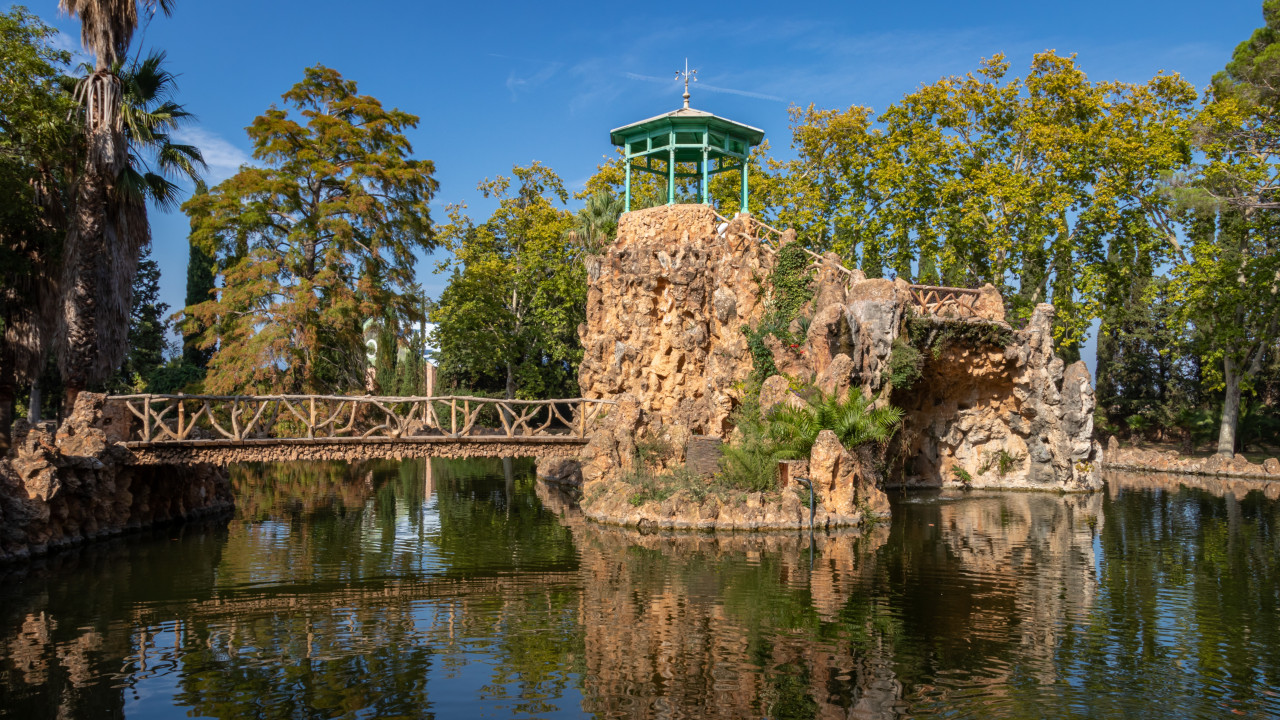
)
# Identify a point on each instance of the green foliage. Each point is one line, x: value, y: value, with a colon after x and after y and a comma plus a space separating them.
x: 596, y: 224
x: 1023, y: 182
x: 933, y: 335
x: 201, y: 287
x: 40, y: 146
x: 319, y: 237
x: 148, y: 331
x: 853, y: 418
x: 509, y: 318
x: 750, y: 463
x: 788, y: 433
x: 1004, y: 461
x: 904, y: 366
x: 789, y: 288
x: 962, y: 476
x: 149, y: 116
x: 1148, y: 360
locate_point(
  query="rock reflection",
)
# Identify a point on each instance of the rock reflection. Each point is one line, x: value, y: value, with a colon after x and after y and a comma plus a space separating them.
x: 733, y: 626
x: 1121, y: 480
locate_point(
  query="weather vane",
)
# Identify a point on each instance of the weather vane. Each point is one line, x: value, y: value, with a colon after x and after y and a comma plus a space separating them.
x: 688, y: 75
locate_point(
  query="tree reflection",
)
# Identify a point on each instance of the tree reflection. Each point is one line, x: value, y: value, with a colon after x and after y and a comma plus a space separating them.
x: 454, y: 588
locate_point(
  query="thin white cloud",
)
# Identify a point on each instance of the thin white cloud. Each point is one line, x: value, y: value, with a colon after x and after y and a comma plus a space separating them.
x: 223, y: 158
x: 704, y: 86
x: 517, y: 84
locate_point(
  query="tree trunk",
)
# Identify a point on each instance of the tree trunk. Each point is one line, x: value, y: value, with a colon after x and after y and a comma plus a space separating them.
x: 6, y: 418
x: 33, y: 410
x: 100, y: 257
x: 1230, y: 407
x: 511, y: 382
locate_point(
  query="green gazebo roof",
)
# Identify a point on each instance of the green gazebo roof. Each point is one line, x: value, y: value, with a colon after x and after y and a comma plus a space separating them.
x: 684, y: 118
x: 713, y: 144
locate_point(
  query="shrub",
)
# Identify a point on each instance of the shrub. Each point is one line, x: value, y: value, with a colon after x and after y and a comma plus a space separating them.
x: 793, y: 430
x: 904, y: 366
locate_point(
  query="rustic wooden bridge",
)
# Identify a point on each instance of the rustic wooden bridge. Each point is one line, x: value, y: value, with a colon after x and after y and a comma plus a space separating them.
x: 225, y: 429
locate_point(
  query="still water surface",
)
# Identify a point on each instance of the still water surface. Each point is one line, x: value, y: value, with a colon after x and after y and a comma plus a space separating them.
x: 463, y: 589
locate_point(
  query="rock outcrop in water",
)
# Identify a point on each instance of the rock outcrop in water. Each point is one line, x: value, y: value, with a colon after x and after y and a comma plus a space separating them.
x: 61, y: 488
x: 670, y: 312
x: 666, y: 309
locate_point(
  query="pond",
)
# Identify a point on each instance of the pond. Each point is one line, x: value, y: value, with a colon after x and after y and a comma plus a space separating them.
x: 465, y: 589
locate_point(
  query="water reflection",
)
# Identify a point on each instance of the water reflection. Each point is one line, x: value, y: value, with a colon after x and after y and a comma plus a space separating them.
x: 463, y: 588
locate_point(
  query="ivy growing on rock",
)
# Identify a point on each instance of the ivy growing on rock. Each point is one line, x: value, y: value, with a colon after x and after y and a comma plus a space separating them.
x: 933, y: 335
x: 792, y: 288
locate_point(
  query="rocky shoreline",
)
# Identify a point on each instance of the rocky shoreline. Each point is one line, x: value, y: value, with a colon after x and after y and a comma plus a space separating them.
x: 68, y: 486
x: 1169, y: 461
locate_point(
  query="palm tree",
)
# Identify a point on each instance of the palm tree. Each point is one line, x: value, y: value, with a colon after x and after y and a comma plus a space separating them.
x: 597, y: 222
x: 852, y: 418
x: 126, y: 116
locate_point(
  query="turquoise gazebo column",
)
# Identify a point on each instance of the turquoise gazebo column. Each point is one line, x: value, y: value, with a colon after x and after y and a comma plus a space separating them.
x: 671, y: 176
x: 686, y: 137
x: 626, y: 188
x: 706, y: 189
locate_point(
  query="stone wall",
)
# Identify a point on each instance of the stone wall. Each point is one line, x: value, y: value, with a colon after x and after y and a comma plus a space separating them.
x: 352, y: 450
x: 1169, y: 461
x: 69, y: 486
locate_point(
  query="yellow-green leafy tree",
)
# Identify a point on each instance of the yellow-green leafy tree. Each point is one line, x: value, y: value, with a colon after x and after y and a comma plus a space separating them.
x: 1033, y: 184
x: 313, y: 242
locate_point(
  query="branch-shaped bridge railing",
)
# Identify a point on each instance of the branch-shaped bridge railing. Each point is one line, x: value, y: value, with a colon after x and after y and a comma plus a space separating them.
x: 946, y: 301
x: 219, y: 419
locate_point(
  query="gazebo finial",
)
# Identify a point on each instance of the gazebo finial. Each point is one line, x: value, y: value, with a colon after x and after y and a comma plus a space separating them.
x: 688, y: 75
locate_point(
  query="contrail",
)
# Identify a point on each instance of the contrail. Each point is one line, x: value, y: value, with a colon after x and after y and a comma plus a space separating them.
x: 709, y: 88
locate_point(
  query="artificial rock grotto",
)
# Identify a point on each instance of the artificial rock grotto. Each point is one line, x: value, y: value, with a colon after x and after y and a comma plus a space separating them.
x: 672, y: 308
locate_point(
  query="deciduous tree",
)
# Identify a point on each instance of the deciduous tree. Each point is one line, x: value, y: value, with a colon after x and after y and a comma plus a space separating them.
x: 1021, y: 182
x: 508, y: 319
x: 1230, y: 274
x: 312, y: 243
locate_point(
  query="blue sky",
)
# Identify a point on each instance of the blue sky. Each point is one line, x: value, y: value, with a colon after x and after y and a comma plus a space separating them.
x: 502, y: 84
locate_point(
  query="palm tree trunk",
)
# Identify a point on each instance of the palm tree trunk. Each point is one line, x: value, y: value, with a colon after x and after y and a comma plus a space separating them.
x: 107, y: 231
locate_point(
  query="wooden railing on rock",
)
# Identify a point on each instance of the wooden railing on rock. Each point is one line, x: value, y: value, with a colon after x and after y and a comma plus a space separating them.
x: 929, y: 300
x: 945, y: 301
x: 219, y: 419
x: 769, y: 238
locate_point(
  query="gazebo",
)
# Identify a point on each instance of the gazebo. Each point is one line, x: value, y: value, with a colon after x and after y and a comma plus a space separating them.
x: 713, y: 144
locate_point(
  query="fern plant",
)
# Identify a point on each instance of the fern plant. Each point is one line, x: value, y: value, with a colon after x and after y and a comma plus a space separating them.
x: 852, y: 418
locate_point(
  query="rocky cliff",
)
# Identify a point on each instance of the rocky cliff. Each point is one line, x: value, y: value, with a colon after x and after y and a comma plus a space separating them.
x: 677, y: 304
x: 666, y: 309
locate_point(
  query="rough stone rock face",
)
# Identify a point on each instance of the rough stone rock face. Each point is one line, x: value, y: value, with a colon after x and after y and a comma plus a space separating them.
x: 665, y: 311
x: 1009, y: 416
x: 844, y: 481
x: 63, y: 488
